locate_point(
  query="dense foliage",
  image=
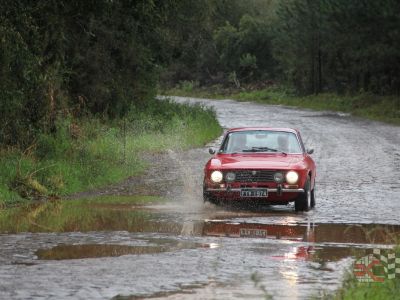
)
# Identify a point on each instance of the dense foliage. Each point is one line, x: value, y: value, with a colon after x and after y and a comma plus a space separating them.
x: 312, y: 45
x: 73, y: 58
x: 340, y: 45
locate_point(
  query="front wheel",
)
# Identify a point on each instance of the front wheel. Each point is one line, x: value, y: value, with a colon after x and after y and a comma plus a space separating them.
x: 313, y: 197
x: 304, y: 201
x: 211, y: 200
x: 208, y: 198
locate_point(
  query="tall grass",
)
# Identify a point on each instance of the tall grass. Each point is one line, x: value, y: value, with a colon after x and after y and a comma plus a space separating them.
x: 85, y: 154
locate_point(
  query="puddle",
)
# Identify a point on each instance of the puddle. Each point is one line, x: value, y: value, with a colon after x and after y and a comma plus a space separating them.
x: 320, y: 254
x: 325, y: 242
x: 77, y: 217
x: 184, y: 290
x: 119, y: 206
x: 22, y: 263
x: 63, y: 252
x: 329, y: 253
x: 316, y: 233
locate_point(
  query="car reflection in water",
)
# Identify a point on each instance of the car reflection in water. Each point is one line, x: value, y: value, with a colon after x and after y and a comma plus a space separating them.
x: 256, y: 230
x: 317, y: 242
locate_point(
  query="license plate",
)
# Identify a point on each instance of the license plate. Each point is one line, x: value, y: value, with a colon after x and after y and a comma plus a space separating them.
x: 254, y: 233
x: 254, y: 193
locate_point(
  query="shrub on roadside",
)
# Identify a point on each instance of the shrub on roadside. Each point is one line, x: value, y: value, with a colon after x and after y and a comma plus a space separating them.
x: 102, y: 152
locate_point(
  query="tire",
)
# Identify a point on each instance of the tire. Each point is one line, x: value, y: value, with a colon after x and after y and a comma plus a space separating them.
x: 208, y: 198
x: 205, y: 197
x: 211, y: 200
x: 313, y: 197
x: 303, y: 201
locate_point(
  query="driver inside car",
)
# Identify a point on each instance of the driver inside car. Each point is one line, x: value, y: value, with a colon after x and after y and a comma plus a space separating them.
x: 239, y: 143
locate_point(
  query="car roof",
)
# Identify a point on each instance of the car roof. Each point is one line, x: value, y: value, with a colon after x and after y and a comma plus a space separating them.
x: 295, y: 131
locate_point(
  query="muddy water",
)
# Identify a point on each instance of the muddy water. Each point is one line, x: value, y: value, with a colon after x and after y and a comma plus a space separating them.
x: 186, y: 250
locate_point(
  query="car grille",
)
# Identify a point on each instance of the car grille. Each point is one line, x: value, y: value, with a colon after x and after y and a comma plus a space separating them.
x: 254, y: 175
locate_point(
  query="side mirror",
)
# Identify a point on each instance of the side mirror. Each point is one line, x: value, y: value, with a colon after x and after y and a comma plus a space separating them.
x: 310, y: 151
x: 211, y: 151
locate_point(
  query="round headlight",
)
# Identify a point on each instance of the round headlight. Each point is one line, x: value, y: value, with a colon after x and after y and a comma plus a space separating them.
x: 292, y: 177
x: 278, y: 177
x: 216, y: 176
x: 230, y: 176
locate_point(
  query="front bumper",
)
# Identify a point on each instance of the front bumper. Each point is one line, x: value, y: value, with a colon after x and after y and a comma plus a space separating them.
x: 275, y: 194
x: 270, y: 190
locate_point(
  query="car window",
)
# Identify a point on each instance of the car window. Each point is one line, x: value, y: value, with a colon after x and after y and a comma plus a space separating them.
x: 246, y: 140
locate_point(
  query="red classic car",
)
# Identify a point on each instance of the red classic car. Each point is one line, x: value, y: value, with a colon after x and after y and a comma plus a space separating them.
x: 267, y: 165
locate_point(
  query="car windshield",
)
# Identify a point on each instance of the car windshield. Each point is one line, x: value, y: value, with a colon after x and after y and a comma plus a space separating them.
x: 261, y: 141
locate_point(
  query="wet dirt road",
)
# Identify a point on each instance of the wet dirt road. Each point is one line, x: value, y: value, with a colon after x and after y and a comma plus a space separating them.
x: 186, y: 250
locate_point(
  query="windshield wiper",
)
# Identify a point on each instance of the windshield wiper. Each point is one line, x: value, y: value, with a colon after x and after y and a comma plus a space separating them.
x: 263, y: 149
x: 260, y: 149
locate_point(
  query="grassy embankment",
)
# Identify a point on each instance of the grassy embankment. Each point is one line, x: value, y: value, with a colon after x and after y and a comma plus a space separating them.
x: 85, y: 154
x: 379, y: 108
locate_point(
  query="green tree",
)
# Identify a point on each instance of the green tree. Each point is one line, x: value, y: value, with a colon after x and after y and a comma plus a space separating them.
x: 72, y: 56
x: 339, y: 45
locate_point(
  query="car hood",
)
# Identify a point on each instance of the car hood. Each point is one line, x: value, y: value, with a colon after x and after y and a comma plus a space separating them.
x: 258, y: 161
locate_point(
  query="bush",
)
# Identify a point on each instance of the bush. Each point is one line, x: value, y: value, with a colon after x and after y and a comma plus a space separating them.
x: 102, y: 152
